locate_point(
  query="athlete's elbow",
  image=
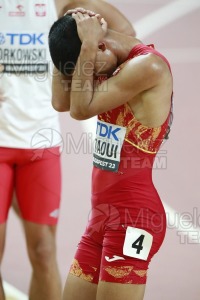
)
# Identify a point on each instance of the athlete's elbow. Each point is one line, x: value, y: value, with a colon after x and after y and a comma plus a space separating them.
x: 79, y: 115
x: 60, y: 107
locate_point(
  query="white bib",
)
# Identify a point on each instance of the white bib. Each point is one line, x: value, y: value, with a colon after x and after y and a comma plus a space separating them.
x: 108, y: 145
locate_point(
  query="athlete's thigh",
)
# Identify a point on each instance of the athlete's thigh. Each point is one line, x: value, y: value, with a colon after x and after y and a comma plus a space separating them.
x: 7, y: 172
x: 6, y: 182
x: 119, y: 266
x: 119, y: 291
x: 38, y: 187
x: 77, y: 288
x: 127, y: 252
x: 87, y: 260
x: 121, y: 276
x: 129, y: 247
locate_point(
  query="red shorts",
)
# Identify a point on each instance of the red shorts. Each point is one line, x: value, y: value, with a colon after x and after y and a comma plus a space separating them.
x: 126, y: 228
x: 35, y: 175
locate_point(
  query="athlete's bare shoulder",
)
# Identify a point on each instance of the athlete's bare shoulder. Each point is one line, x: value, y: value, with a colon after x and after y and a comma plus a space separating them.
x: 115, y: 19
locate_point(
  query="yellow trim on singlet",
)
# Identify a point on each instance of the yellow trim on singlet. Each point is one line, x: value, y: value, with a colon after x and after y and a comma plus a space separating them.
x: 136, y: 146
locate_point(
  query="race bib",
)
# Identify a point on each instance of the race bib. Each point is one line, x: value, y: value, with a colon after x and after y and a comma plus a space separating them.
x: 108, y: 145
x: 24, y: 52
x: 137, y: 243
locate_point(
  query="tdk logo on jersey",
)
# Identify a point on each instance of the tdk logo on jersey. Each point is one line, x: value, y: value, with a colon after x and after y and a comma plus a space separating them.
x: 108, y: 131
x: 2, y: 39
x: 25, y: 38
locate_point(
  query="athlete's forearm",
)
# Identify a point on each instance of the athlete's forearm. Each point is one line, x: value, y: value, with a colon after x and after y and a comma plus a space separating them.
x: 82, y: 88
x: 61, y: 87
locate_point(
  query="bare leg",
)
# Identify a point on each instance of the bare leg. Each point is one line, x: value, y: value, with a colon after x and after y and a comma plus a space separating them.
x: 2, y: 295
x: 2, y: 245
x: 45, y: 282
x: 15, y: 205
x: 79, y: 289
x: 119, y: 291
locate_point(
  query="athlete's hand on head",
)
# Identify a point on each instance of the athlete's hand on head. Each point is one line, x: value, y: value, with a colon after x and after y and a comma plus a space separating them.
x: 90, y: 28
x: 81, y: 10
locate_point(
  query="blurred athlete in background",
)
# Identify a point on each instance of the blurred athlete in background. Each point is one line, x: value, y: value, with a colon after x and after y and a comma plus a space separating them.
x: 30, y: 139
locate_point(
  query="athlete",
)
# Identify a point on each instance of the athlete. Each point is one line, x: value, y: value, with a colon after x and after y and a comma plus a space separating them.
x: 127, y: 223
x: 27, y: 123
x: 30, y: 139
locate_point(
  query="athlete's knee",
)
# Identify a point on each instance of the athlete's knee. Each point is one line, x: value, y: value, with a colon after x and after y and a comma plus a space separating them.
x: 42, y: 254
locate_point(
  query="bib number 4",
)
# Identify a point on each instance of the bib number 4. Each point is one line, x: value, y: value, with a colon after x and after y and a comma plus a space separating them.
x: 138, y: 243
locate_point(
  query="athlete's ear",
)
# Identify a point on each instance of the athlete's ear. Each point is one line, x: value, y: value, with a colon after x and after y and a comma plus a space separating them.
x: 102, y: 46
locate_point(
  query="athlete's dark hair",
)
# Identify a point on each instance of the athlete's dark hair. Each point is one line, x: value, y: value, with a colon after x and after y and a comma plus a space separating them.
x: 64, y: 44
